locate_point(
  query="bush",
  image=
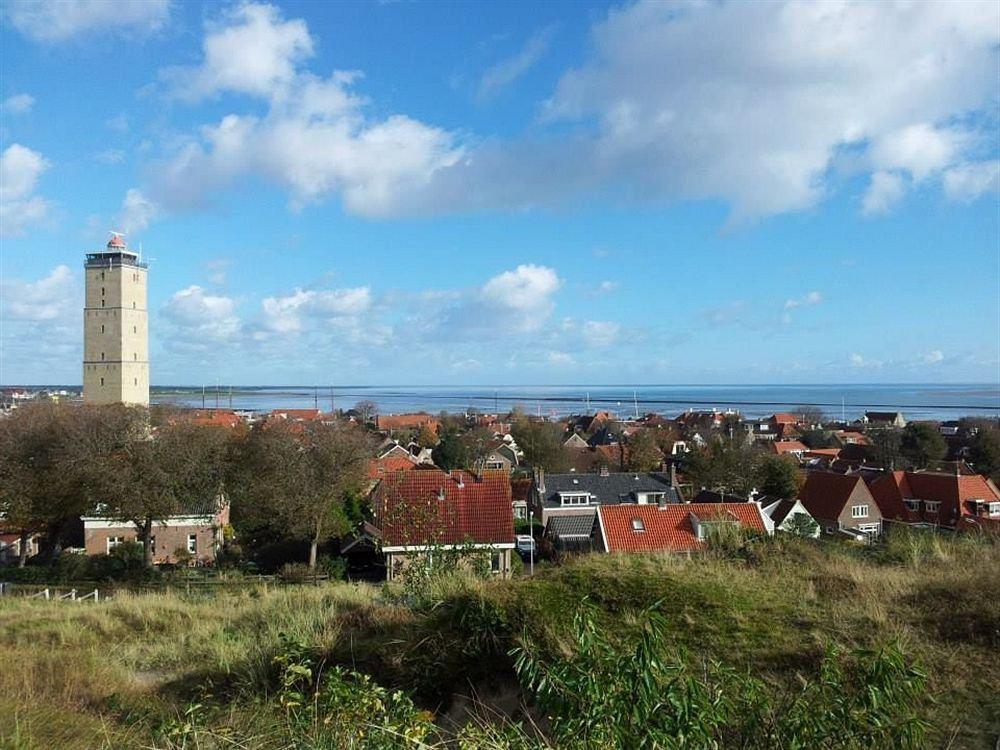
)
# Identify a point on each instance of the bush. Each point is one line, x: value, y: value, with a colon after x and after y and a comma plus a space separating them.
x: 334, y: 567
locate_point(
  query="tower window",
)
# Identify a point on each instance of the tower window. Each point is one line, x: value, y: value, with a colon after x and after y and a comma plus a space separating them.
x: 102, y: 303
x: 136, y: 381
x: 102, y: 356
x: 133, y: 305
x: 102, y: 381
x: 135, y: 330
x: 135, y: 357
x: 102, y: 275
x: 102, y: 291
x: 102, y: 329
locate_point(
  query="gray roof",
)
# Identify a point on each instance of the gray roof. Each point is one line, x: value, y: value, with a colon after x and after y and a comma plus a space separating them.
x: 610, y: 489
x: 780, y: 511
x: 579, y: 524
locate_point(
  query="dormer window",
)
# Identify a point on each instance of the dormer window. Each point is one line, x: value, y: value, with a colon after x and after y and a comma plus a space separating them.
x: 994, y: 509
x: 913, y: 505
x: 933, y: 506
x: 638, y: 526
x: 574, y: 498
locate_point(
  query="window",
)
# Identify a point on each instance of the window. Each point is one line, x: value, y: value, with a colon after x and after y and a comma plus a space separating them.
x: 494, y: 465
x: 102, y: 381
x: 102, y: 356
x: 102, y: 291
x: 575, y: 499
x: 114, y: 541
x: 102, y: 328
x: 102, y: 303
x: 133, y: 305
x: 933, y: 506
x: 152, y: 542
x: 136, y: 381
x: 192, y: 543
x: 495, y: 562
x: 135, y: 329
x: 520, y: 512
x: 995, y: 509
x: 102, y: 275
x: 638, y: 525
x: 859, y: 511
x: 135, y: 357
x: 913, y: 505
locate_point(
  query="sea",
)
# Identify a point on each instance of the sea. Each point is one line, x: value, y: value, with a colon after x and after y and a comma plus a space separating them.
x: 847, y: 401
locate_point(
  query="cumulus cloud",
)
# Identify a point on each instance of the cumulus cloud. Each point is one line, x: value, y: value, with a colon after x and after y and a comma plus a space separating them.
x: 885, y: 190
x: 933, y: 357
x: 315, y: 139
x: 197, y: 315
x: 47, y: 299
x: 20, y: 208
x: 18, y: 104
x: 137, y: 211
x: 967, y: 182
x: 58, y: 20
x: 341, y: 307
x: 860, y: 362
x: 507, y: 71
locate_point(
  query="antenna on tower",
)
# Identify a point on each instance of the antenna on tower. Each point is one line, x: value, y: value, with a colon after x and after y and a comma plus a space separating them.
x: 635, y: 399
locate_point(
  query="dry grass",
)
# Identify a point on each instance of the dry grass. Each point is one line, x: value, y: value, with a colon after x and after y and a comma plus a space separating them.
x: 106, y: 675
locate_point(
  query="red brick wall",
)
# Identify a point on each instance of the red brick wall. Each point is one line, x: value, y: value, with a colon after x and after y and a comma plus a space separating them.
x: 167, y: 540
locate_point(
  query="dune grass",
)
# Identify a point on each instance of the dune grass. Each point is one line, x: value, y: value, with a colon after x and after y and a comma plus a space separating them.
x: 114, y: 674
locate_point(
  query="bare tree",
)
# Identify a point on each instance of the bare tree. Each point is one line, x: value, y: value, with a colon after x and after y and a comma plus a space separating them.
x: 367, y: 410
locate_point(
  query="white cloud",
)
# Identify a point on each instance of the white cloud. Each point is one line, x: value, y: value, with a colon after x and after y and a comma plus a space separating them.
x: 933, y: 357
x: 47, y: 299
x: 58, y: 20
x: 137, y: 212
x: 526, y: 289
x: 885, y: 190
x: 250, y: 50
x: 967, y: 182
x: 118, y: 123
x: 751, y: 103
x: 807, y: 300
x: 19, y: 104
x: 196, y: 314
x: 509, y: 70
x: 284, y: 314
x: 601, y: 332
x: 314, y: 140
x: 860, y: 362
x: 110, y: 156
x: 20, y: 208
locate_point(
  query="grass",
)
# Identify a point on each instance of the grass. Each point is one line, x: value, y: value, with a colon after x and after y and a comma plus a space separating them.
x: 80, y: 675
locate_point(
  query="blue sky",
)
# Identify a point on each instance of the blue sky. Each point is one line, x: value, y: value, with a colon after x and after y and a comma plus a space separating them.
x: 547, y: 193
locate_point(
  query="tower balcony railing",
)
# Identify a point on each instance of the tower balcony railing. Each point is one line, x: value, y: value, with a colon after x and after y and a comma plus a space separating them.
x: 113, y: 260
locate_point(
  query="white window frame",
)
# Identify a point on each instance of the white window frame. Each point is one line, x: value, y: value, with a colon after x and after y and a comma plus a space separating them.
x: 192, y: 544
x: 638, y: 526
x: 496, y: 561
x: 932, y: 506
x: 993, y: 508
x: 859, y: 511
x: 114, y: 541
x: 913, y: 505
x: 494, y: 465
x: 574, y: 498
x: 520, y: 512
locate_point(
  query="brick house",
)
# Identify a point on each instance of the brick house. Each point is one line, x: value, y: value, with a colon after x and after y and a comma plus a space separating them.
x: 427, y: 512
x: 842, y: 504
x: 201, y: 536
x: 682, y: 528
x: 930, y: 498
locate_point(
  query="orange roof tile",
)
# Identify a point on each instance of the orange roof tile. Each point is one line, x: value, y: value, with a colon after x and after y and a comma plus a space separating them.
x: 669, y: 528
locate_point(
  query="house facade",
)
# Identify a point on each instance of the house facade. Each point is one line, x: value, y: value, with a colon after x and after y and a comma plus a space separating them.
x: 782, y: 514
x: 199, y: 538
x: 581, y: 494
x: 927, y: 498
x: 842, y: 504
x: 425, y: 516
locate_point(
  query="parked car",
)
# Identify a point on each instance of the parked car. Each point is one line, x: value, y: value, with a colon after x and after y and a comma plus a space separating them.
x: 525, y: 544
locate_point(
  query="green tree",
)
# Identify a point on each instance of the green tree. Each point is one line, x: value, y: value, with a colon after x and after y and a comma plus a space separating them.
x: 922, y: 444
x: 817, y: 438
x: 643, y: 453
x: 778, y: 476
x: 541, y: 442
x: 726, y: 465
x: 151, y: 476
x: 984, y: 452
x: 426, y: 437
x: 300, y: 478
x: 802, y: 525
x: 885, y: 446
x: 478, y: 443
x: 451, y: 452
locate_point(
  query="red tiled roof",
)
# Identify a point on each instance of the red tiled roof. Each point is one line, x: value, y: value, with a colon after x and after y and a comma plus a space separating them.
x: 825, y: 493
x: 823, y: 452
x: 670, y: 528
x: 389, y: 464
x: 407, y: 421
x: 784, y: 418
x: 788, y: 446
x: 433, y: 506
x: 215, y: 417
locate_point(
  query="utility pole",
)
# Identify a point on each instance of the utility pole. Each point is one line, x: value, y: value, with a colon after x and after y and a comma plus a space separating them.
x: 202, y: 396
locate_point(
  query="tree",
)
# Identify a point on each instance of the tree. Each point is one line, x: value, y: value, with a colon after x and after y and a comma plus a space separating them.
x: 778, y: 476
x: 885, y: 446
x: 817, y: 438
x: 367, y: 411
x: 478, y: 443
x: 151, y: 476
x: 643, y: 453
x: 426, y: 438
x: 984, y: 452
x: 541, y: 442
x: 922, y: 444
x: 300, y: 477
x: 451, y: 452
x: 726, y: 465
x: 802, y: 525
x: 809, y: 415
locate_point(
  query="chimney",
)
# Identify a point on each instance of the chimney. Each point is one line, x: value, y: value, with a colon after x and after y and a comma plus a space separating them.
x: 605, y: 472
x: 441, y: 494
x: 673, y: 475
x: 461, y: 480
x: 540, y: 480
x: 662, y: 502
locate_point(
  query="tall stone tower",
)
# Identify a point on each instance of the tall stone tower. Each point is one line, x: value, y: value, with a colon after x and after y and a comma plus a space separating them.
x: 115, y: 329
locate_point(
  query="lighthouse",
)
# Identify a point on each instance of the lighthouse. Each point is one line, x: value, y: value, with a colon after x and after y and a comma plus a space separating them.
x: 115, y: 327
